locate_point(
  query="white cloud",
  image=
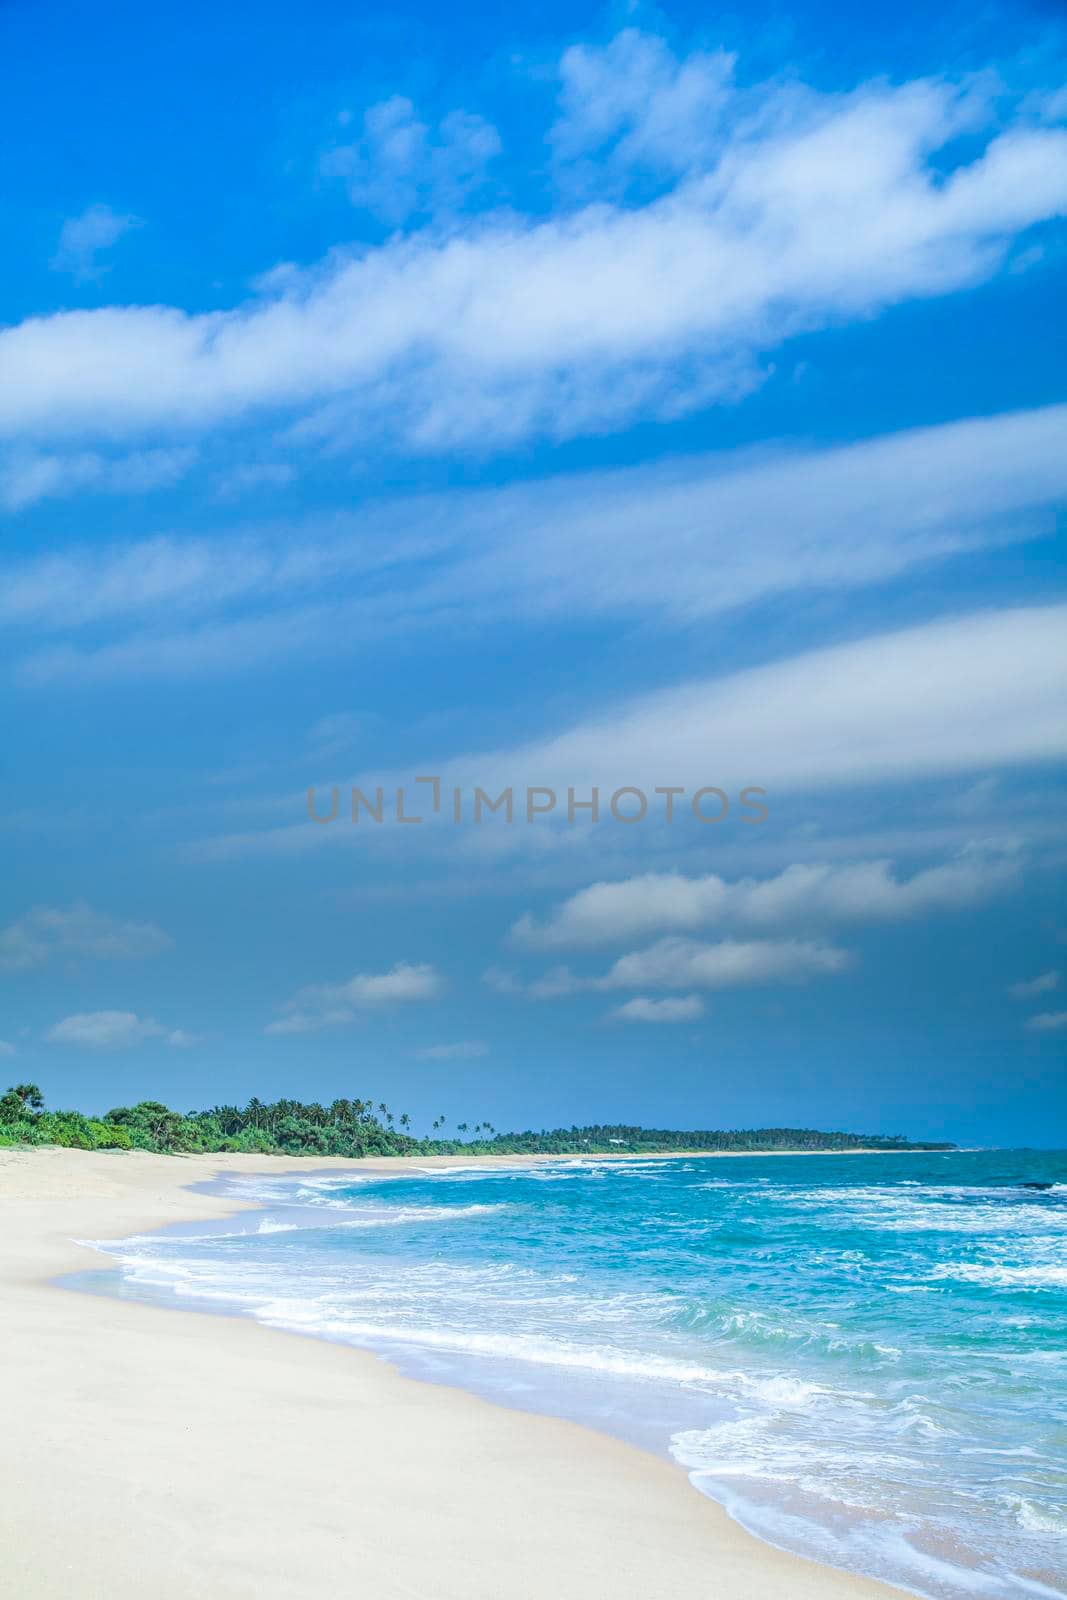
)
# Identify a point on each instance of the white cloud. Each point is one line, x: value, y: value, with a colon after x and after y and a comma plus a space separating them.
x: 6, y: 1048
x: 399, y: 166
x: 1048, y: 1022
x: 113, y: 1030
x: 740, y: 529
x: 255, y: 475
x: 737, y: 529
x: 340, y: 730
x: 945, y: 697
x: 85, y: 238
x: 642, y: 1009
x: 324, y: 1005
x: 298, y: 1021
x: 191, y: 576
x: 502, y: 982
x: 731, y: 964
x: 27, y: 477
x: 462, y: 1050
x: 821, y: 208
x: 52, y: 931
x: 677, y: 963
x: 658, y: 902
x: 1044, y: 983
x: 550, y: 986
x: 633, y: 104
x: 977, y: 799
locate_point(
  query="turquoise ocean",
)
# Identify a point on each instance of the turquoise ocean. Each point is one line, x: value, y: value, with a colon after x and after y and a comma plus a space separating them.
x: 863, y: 1358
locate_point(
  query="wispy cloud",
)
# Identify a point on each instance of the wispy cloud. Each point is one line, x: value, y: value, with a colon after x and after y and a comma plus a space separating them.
x: 947, y: 696
x: 677, y: 963
x: 114, y: 1030
x: 1048, y: 1022
x: 821, y: 207
x: 944, y: 698
x: 738, y: 531
x: 730, y: 964
x: 340, y: 731
x: 27, y: 477
x: 462, y: 1050
x: 48, y: 932
x: 325, y: 1005
x: 634, y: 108
x: 1032, y: 988
x: 658, y: 902
x: 84, y: 239
x: 68, y: 590
x: 399, y: 166
x: 689, y: 1008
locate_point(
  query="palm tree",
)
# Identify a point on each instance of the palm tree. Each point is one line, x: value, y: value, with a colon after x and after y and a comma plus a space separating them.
x: 229, y: 1118
x: 405, y: 1120
x: 31, y: 1097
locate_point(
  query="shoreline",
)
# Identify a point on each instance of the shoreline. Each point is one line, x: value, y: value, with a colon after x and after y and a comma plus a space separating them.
x: 153, y: 1452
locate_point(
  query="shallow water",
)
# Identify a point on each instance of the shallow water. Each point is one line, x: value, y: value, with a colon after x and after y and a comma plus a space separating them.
x: 863, y: 1357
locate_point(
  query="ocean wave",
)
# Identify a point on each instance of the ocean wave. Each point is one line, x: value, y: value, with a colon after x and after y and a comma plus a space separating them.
x: 463, y: 1171
x: 893, y: 1212
x: 902, y: 1551
x: 854, y: 1499
x: 781, y: 1391
x: 761, y: 1329
x: 395, y: 1217
x: 1034, y: 1518
x: 995, y: 1275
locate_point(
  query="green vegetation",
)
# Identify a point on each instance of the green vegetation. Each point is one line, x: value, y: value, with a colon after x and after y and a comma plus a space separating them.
x: 359, y: 1128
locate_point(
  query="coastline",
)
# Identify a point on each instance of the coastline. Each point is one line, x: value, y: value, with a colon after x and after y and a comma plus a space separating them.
x: 150, y: 1451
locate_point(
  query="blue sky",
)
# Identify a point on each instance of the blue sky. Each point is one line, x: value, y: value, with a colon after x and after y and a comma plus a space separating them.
x: 558, y: 399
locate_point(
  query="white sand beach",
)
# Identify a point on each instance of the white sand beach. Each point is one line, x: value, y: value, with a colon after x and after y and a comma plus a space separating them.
x: 150, y: 1452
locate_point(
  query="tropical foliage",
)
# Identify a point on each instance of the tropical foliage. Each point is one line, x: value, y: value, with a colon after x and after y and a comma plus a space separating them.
x: 361, y: 1128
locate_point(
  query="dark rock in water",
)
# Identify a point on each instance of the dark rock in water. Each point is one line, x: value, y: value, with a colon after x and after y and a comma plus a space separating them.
x: 1035, y: 1186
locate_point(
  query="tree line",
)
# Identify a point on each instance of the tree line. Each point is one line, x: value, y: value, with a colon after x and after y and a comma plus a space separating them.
x: 362, y: 1128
